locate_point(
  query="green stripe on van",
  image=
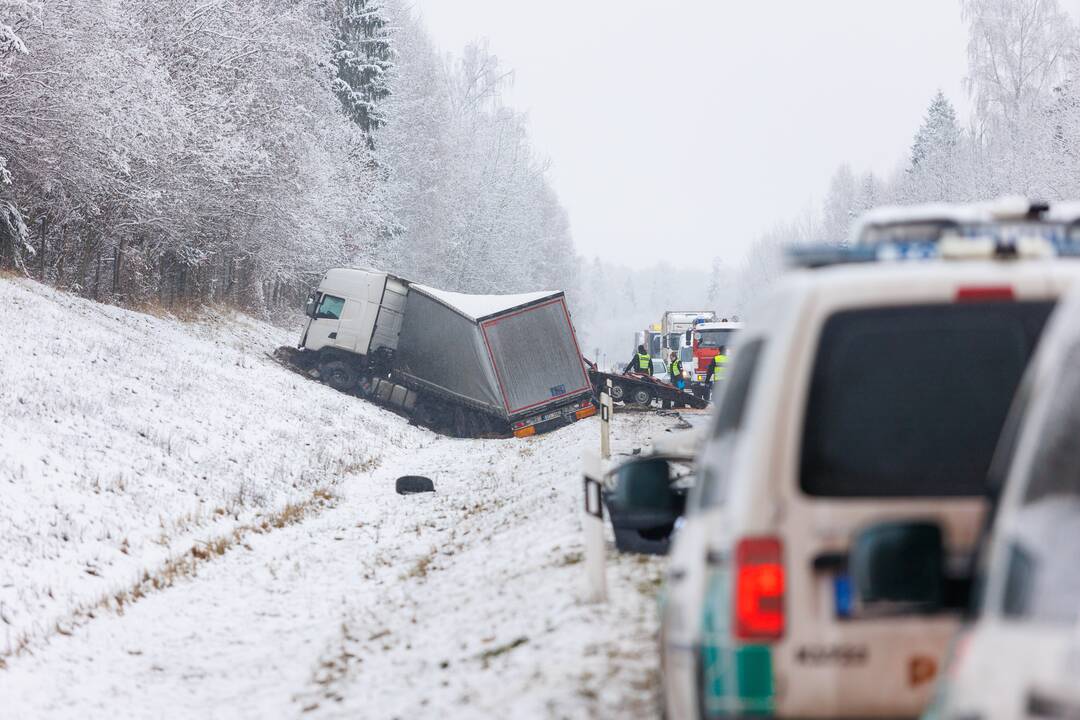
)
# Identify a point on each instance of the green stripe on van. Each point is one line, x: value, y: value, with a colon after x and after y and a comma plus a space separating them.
x: 754, y: 675
x: 734, y: 678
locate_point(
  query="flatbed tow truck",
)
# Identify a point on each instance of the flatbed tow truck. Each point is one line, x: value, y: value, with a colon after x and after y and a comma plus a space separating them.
x: 641, y: 390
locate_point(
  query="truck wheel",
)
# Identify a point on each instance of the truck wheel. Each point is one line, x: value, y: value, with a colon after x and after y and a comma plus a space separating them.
x: 617, y: 393
x: 641, y: 396
x: 338, y: 375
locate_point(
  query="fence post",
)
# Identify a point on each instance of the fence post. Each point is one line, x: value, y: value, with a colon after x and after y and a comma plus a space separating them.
x: 593, y: 524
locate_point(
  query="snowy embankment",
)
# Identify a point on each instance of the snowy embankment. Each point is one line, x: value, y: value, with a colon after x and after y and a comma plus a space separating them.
x: 190, y: 530
x: 128, y: 438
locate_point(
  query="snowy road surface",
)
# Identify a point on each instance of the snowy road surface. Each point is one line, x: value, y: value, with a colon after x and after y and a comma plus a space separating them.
x: 224, y: 540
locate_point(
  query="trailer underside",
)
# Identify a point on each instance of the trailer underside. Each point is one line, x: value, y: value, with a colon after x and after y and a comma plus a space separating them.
x: 434, y: 409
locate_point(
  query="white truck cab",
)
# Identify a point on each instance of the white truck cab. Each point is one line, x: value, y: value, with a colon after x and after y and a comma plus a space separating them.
x: 372, y: 320
x: 861, y: 408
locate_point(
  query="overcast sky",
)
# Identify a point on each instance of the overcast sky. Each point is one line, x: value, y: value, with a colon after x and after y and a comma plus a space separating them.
x: 684, y: 128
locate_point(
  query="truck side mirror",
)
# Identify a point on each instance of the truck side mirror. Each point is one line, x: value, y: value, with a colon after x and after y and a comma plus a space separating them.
x: 309, y: 306
x: 900, y: 563
x: 689, y: 336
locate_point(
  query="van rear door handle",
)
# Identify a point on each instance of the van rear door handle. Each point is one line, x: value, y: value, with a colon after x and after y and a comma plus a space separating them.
x: 834, y: 561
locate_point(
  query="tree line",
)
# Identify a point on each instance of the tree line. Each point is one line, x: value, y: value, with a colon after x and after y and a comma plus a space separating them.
x: 230, y: 151
x: 1023, y: 136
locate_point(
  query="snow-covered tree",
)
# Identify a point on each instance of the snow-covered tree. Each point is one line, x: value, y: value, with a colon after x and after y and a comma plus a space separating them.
x: 936, y: 156
x: 840, y: 205
x: 362, y: 58
x: 471, y: 205
x: 223, y: 151
x: 1017, y: 54
x: 939, y: 134
x: 15, y: 15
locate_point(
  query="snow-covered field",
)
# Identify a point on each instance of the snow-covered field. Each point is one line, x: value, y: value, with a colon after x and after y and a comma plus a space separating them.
x: 191, y: 531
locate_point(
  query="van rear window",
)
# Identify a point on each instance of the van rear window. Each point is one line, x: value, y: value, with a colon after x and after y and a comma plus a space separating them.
x: 909, y: 401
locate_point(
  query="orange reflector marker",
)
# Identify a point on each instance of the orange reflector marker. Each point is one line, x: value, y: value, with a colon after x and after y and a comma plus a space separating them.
x: 985, y: 293
x: 525, y: 431
x: 585, y: 412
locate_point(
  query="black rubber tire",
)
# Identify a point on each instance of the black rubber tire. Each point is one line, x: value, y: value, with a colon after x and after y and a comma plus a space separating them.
x: 641, y: 396
x: 338, y: 375
x: 410, y: 484
x: 618, y: 392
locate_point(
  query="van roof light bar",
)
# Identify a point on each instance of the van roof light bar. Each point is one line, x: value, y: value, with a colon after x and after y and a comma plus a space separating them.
x: 950, y: 247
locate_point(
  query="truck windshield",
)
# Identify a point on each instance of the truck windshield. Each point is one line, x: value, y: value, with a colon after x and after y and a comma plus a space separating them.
x: 655, y: 345
x: 715, y: 338
x: 910, y: 401
x: 330, y: 308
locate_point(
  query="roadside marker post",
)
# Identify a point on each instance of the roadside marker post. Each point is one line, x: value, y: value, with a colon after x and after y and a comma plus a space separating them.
x: 593, y: 524
x: 606, y: 407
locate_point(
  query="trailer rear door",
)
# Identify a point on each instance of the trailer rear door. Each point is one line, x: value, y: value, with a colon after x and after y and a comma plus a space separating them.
x: 535, y: 355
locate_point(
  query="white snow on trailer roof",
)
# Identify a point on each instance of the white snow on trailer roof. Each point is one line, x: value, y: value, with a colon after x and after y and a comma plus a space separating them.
x: 478, y: 307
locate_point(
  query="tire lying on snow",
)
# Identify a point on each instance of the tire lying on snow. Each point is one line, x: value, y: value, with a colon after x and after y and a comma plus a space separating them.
x: 410, y: 484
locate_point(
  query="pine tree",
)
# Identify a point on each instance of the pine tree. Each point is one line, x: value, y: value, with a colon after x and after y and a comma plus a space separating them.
x: 716, y: 282
x: 362, y: 59
x: 840, y: 205
x: 939, y: 133
x: 937, y: 157
x: 13, y: 14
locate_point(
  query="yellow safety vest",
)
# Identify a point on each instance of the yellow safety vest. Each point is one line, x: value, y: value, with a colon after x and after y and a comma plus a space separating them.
x: 718, y: 369
x: 675, y: 369
x: 644, y: 363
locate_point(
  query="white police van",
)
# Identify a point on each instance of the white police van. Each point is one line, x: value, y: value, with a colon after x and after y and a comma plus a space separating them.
x: 845, y: 472
x: 1021, y: 656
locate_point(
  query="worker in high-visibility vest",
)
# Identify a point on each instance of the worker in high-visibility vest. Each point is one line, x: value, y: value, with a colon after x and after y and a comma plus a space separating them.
x: 641, y: 362
x: 675, y: 370
x: 718, y: 366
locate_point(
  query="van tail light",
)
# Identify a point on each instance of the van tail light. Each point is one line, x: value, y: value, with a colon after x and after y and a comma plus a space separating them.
x: 759, y: 589
x: 985, y: 293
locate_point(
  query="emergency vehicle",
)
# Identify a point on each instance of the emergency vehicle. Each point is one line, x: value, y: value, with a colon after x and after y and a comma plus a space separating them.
x: 860, y: 414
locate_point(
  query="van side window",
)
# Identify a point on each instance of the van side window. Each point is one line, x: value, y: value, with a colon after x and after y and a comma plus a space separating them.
x: 1054, y: 473
x: 712, y: 485
x: 330, y: 308
x: 737, y: 393
x: 1042, y: 582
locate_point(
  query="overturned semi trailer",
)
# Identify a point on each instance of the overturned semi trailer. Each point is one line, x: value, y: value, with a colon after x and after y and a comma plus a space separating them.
x: 471, y: 365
